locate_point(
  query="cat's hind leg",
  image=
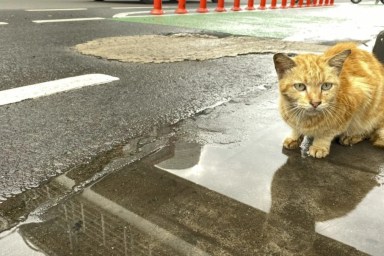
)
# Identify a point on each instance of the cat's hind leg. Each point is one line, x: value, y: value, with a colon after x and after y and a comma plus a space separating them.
x: 349, y: 140
x: 378, y: 138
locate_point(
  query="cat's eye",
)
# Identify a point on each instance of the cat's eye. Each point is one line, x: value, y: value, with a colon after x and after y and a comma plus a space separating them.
x: 300, y: 87
x: 326, y: 86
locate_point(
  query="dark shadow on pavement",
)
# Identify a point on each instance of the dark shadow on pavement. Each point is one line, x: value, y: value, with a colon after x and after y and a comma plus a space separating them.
x: 306, y: 191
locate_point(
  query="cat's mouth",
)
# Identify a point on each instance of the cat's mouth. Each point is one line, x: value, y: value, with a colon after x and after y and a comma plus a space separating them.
x: 312, y: 111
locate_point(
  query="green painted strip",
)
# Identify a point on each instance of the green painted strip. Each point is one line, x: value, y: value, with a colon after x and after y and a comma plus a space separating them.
x: 268, y: 24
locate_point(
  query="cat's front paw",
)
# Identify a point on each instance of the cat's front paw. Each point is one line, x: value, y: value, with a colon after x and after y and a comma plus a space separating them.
x: 290, y: 143
x: 350, y: 140
x: 318, y: 152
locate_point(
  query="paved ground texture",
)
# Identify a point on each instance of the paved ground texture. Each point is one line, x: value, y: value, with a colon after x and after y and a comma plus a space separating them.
x: 220, y: 185
x: 209, y: 180
x: 164, y: 48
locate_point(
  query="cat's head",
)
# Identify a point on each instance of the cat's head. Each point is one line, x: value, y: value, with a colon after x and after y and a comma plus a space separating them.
x: 308, y: 82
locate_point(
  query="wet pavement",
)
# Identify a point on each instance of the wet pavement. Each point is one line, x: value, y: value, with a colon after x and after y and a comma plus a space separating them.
x: 215, y: 184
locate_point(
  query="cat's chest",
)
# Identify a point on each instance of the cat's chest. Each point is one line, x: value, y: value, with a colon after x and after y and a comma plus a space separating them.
x: 310, y: 126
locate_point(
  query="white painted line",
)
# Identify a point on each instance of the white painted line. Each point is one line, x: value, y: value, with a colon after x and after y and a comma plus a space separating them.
x: 56, y: 10
x: 52, y: 87
x: 128, y: 8
x: 3, y: 23
x: 67, y: 20
x: 141, y: 7
x: 130, y: 14
x: 148, y: 14
x: 133, y: 15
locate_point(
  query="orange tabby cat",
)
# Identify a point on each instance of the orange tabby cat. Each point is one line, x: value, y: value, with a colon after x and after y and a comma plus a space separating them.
x: 339, y: 93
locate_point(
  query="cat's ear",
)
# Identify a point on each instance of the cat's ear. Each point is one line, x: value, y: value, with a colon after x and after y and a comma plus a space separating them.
x: 283, y: 63
x: 338, y: 60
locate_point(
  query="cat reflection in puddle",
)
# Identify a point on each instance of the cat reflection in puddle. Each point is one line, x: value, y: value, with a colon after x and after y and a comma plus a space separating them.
x: 307, y: 191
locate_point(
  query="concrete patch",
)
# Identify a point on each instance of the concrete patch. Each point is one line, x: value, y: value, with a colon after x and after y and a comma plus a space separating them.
x: 180, y: 47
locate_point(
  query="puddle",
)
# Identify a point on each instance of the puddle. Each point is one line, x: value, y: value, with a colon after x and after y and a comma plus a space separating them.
x: 14, y: 243
x: 304, y: 199
x: 141, y: 210
x: 339, y: 198
x: 222, y: 185
x: 243, y: 173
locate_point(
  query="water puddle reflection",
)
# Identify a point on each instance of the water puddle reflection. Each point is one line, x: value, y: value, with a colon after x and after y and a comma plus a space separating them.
x: 243, y: 173
x: 312, y: 206
x: 142, y: 210
x: 14, y: 243
x: 248, y: 197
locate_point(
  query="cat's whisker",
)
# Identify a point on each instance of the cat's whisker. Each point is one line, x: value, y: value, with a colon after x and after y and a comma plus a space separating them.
x: 297, y: 113
x: 325, y: 113
x: 338, y: 92
x: 332, y: 110
x: 329, y: 115
x: 294, y: 111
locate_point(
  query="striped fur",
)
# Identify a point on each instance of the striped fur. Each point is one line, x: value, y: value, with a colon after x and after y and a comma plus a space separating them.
x: 352, y: 109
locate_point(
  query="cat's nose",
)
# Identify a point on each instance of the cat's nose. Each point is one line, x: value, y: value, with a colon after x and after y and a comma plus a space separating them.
x: 315, y: 104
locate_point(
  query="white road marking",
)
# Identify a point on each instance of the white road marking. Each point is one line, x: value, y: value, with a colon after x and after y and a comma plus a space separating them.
x: 56, y: 10
x: 3, y: 23
x: 148, y: 14
x: 127, y: 8
x: 167, y: 14
x: 128, y: 14
x: 52, y: 87
x: 67, y: 20
x: 141, y: 7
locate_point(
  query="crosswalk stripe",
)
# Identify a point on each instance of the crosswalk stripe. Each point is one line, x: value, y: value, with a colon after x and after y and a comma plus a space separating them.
x: 56, y: 10
x: 67, y: 20
x: 44, y: 89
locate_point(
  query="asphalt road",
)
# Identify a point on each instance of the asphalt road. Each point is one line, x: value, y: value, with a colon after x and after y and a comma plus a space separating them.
x: 43, y: 137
